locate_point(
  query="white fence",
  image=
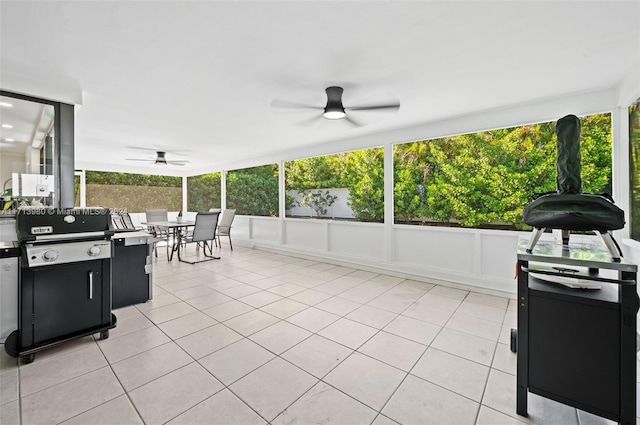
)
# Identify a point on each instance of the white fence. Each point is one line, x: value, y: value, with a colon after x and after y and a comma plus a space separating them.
x: 339, y: 209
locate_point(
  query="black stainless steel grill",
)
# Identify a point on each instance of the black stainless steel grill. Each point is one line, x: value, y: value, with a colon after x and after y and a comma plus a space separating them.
x: 65, y: 278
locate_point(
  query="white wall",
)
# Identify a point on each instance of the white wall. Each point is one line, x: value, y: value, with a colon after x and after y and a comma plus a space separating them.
x: 472, y: 258
x: 339, y: 209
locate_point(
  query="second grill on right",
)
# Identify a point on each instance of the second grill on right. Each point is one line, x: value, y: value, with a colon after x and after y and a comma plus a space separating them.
x: 568, y: 209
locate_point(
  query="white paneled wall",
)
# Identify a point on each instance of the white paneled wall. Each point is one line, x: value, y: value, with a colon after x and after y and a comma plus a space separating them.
x: 352, y: 239
x: 306, y: 235
x: 480, y: 259
x: 438, y: 248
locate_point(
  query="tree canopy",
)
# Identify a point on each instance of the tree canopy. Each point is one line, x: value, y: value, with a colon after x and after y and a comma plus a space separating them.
x: 473, y: 180
x: 254, y: 191
x: 634, y: 137
x: 131, y: 179
x: 204, y: 192
x: 485, y: 179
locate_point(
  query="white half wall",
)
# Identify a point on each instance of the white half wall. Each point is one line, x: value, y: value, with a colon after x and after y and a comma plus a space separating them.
x: 482, y: 260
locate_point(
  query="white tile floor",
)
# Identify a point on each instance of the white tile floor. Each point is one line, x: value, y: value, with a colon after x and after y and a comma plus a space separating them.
x: 258, y: 337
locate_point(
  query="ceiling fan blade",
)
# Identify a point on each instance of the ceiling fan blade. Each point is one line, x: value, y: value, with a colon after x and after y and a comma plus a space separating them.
x: 138, y: 148
x: 180, y: 163
x: 277, y: 103
x: 155, y: 150
x: 309, y: 121
x: 395, y: 106
x: 353, y: 122
x: 138, y: 159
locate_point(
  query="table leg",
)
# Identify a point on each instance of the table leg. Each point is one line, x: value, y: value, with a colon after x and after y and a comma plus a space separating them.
x: 174, y: 247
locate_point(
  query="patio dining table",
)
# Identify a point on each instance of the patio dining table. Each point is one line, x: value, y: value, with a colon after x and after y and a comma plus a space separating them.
x: 174, y: 226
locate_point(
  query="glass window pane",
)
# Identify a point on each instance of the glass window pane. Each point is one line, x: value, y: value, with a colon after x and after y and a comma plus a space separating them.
x: 76, y: 190
x: 27, y: 153
x: 253, y: 191
x: 345, y: 186
x: 634, y: 165
x: 203, y: 192
x: 134, y: 193
x: 485, y: 179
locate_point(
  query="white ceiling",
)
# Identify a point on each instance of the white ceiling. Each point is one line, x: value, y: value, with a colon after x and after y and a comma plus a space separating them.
x: 197, y: 78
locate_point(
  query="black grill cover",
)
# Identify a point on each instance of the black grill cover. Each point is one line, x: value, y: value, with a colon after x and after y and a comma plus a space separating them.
x: 569, y: 208
x: 580, y: 212
x: 568, y: 179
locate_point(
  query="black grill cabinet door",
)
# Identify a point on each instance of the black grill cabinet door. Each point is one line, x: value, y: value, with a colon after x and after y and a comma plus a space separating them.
x: 67, y: 298
x: 574, y: 351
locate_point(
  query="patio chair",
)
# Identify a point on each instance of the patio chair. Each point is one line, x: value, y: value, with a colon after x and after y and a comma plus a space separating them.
x: 224, y: 227
x: 160, y: 234
x: 203, y: 235
x: 128, y: 222
x: 118, y: 223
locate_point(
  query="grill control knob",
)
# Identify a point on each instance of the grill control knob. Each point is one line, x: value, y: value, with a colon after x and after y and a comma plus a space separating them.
x: 50, y: 255
x: 94, y: 251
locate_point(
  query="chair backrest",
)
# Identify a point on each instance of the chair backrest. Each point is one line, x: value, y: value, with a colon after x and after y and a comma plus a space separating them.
x: 214, y: 210
x: 226, y: 221
x: 117, y: 221
x: 205, y: 227
x: 126, y: 220
x: 156, y: 215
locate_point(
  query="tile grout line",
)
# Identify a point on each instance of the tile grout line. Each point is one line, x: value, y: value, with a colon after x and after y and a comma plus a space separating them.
x: 126, y: 393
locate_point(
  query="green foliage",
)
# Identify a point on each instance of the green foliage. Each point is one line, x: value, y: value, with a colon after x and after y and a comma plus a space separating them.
x: 76, y: 190
x: 128, y: 179
x: 134, y: 199
x: 253, y: 191
x: 313, y: 173
x: 317, y: 201
x: 486, y: 178
x: 289, y: 201
x: 133, y: 192
x: 204, y: 192
x: 363, y: 175
x: 634, y: 141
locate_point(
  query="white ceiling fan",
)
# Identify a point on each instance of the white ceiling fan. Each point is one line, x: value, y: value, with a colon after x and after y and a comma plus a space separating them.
x: 160, y: 159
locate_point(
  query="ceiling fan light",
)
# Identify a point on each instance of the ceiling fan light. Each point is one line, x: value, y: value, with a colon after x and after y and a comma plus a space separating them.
x: 334, y: 114
x: 334, y: 110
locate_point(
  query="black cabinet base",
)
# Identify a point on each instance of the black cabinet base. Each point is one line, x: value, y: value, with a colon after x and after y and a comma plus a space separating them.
x: 27, y: 354
x: 577, y: 346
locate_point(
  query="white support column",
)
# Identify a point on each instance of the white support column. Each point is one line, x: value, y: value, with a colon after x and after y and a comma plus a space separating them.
x: 223, y: 190
x: 185, y: 195
x: 389, y: 251
x: 282, y: 197
x: 620, y: 185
